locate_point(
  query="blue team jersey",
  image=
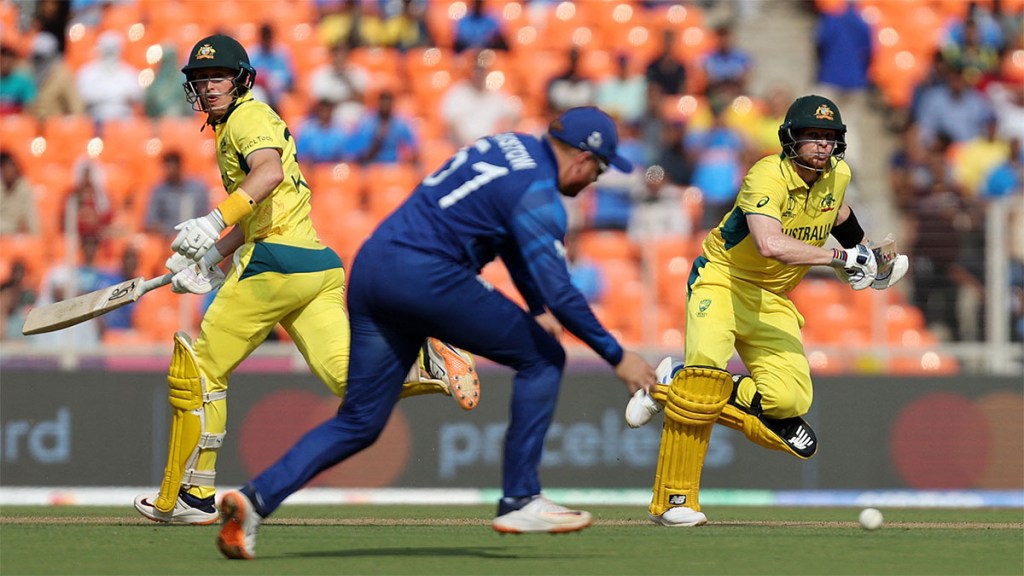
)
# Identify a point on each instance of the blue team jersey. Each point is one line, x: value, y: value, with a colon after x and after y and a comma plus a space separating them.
x: 499, y: 198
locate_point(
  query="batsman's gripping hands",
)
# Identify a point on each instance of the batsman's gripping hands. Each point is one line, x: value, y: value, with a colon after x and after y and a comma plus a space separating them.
x: 191, y: 277
x: 197, y: 235
x: 895, y: 273
x: 858, y: 264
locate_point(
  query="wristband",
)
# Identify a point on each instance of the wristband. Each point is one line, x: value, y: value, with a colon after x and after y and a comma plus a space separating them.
x: 236, y: 206
x: 849, y: 233
x: 839, y: 257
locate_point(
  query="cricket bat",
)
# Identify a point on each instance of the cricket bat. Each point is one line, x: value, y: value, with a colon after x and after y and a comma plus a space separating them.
x: 65, y: 313
x: 885, y: 255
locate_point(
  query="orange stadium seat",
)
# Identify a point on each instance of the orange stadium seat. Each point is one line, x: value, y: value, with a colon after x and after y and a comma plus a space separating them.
x: 692, y: 43
x: 677, y: 16
x: 428, y: 87
x: 537, y: 68
x: 560, y: 34
x: 672, y: 263
x: 80, y: 46
x: 376, y: 60
x: 604, y: 245
x: 345, y: 180
x: 597, y: 64
x: 156, y: 318
x: 49, y: 201
x: 126, y: 141
x: 900, y: 318
x: 434, y: 153
x: 67, y: 137
x: 152, y: 250
x: 346, y: 233
x: 817, y: 293
x: 30, y: 250
x: 441, y: 18
x: 670, y: 328
x: 327, y: 207
x: 120, y: 16
x: 624, y: 300
x: 514, y: 15
x: 19, y: 129
x: 183, y: 135
x: 387, y: 186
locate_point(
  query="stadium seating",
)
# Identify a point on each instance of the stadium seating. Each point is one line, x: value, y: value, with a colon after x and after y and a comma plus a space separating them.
x: 646, y: 302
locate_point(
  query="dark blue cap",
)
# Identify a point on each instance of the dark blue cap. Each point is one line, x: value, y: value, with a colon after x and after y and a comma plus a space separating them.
x: 591, y: 130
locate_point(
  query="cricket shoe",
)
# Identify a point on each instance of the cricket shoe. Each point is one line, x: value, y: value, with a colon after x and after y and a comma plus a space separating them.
x: 539, y: 515
x: 187, y: 510
x: 454, y: 369
x: 239, y: 525
x: 641, y: 408
x: 679, y: 516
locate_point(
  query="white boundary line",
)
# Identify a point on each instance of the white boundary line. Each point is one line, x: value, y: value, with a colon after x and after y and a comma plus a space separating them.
x: 124, y: 496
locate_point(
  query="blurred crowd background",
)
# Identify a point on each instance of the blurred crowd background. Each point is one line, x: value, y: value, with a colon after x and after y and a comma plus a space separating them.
x: 100, y: 154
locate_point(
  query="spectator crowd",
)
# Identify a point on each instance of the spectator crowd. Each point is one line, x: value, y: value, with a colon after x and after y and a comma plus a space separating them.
x: 100, y: 146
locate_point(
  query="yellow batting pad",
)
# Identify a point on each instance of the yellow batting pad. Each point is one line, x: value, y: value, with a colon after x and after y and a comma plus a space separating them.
x: 659, y: 392
x: 185, y: 393
x: 443, y: 369
x: 693, y: 403
x: 803, y: 446
x: 418, y: 380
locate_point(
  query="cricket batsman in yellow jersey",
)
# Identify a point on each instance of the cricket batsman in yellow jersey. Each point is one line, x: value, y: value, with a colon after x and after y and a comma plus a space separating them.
x: 280, y: 274
x: 788, y: 206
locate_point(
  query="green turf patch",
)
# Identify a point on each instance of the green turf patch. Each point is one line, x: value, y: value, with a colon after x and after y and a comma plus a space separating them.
x: 452, y: 540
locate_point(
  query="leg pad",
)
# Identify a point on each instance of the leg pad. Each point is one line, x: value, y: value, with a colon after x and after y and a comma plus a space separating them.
x: 792, y: 435
x: 694, y: 401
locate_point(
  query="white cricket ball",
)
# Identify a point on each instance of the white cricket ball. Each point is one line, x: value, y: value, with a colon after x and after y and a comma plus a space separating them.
x: 870, y: 519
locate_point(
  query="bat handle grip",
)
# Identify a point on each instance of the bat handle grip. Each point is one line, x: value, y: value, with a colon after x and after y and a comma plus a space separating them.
x: 154, y: 283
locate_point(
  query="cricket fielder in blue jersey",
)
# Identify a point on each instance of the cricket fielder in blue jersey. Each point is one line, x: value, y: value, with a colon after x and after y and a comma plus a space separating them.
x: 418, y: 276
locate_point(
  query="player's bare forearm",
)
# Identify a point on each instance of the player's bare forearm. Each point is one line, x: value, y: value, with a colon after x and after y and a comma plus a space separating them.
x: 773, y: 243
x: 231, y: 241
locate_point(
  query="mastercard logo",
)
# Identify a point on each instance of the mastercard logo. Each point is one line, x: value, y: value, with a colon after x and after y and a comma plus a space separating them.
x: 292, y: 413
x: 946, y: 441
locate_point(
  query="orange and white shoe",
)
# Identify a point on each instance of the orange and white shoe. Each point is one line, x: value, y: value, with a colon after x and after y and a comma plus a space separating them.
x: 240, y: 523
x: 454, y: 369
x: 539, y: 514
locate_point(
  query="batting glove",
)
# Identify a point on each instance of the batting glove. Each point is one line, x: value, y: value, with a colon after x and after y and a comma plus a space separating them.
x: 197, y: 280
x: 197, y: 235
x: 896, y: 272
x: 857, y: 264
x: 176, y: 263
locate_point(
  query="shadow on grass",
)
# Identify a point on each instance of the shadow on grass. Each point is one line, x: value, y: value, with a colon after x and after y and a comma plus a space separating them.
x: 493, y: 553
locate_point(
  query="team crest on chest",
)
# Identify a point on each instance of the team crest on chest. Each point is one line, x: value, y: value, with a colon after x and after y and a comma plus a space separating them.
x: 205, y: 52
x: 828, y: 203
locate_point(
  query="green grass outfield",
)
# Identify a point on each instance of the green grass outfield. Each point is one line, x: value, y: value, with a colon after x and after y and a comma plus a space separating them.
x: 450, y: 540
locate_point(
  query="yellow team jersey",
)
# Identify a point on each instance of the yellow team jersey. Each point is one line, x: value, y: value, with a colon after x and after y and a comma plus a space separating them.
x: 283, y: 217
x: 773, y: 188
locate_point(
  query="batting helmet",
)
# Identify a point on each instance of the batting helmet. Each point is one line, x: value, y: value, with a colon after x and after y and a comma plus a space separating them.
x: 812, y: 112
x: 218, y: 51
